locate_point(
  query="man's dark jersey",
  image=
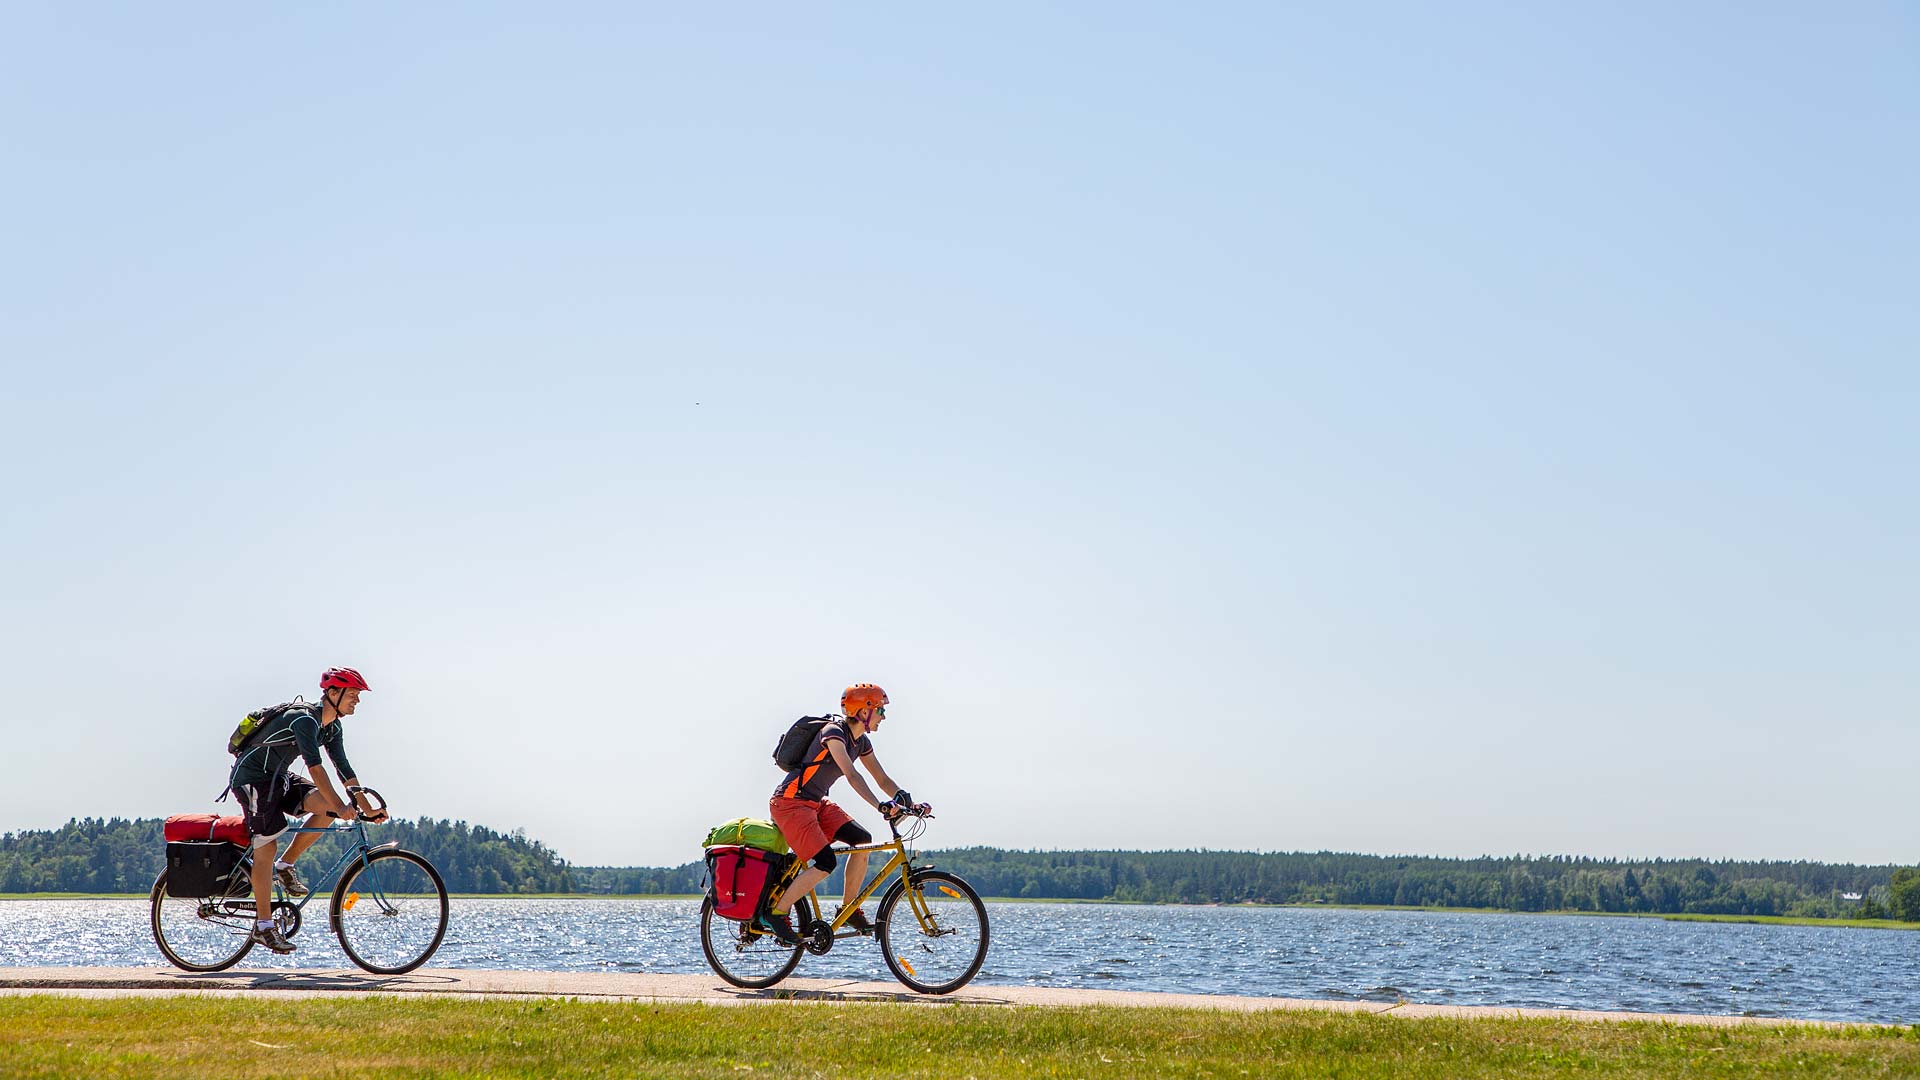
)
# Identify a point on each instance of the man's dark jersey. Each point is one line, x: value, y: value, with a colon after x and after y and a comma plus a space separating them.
x: 294, y: 733
x: 818, y: 770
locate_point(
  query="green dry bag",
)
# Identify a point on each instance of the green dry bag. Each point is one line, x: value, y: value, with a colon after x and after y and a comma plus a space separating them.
x: 748, y: 832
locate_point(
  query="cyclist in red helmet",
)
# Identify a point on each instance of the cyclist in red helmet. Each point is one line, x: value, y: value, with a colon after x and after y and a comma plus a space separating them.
x: 268, y: 791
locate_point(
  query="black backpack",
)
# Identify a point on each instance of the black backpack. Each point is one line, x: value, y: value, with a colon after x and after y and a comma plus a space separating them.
x: 791, y: 752
x: 252, y: 724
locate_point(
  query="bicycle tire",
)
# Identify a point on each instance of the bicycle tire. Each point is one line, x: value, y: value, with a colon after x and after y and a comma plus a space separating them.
x: 166, y: 909
x: 735, y: 940
x: 360, y: 932
x: 911, y: 932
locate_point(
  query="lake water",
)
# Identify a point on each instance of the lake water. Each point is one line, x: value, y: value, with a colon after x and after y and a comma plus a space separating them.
x: 1549, y: 961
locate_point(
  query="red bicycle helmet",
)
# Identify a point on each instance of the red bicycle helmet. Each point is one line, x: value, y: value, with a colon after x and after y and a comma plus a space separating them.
x: 342, y: 678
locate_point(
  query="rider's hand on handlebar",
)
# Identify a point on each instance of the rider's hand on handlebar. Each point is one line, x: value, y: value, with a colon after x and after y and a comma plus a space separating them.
x: 367, y: 804
x: 907, y: 806
x: 895, y: 808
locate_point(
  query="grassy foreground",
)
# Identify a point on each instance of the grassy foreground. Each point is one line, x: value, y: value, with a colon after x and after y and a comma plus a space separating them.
x: 50, y: 1036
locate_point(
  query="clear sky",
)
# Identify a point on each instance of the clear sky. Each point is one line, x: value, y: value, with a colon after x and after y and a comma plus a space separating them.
x: 1444, y: 429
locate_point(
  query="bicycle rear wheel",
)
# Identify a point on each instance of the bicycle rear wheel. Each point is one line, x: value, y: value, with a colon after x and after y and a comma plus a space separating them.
x: 202, y: 933
x: 744, y: 956
x: 390, y: 912
x: 935, y: 942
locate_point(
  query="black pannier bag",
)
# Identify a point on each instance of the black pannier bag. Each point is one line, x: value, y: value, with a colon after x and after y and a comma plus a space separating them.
x: 197, y: 870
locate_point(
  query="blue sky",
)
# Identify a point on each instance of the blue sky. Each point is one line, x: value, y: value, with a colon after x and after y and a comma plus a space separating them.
x: 1399, y: 429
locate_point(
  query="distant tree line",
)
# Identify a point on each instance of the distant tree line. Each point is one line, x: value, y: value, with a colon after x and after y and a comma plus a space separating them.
x: 1513, y: 883
x: 121, y: 855
x: 1902, y: 897
x: 642, y: 880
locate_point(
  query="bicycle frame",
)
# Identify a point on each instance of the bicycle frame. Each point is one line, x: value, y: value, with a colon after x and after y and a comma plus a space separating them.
x: 360, y: 850
x: 900, y: 861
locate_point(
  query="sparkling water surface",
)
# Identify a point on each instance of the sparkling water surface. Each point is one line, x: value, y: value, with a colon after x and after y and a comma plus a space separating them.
x: 1541, y: 961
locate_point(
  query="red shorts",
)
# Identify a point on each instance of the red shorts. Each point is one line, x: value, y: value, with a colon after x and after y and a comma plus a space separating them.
x: 807, y: 824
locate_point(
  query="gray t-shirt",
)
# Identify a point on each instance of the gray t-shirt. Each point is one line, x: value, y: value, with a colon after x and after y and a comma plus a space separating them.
x: 818, y: 771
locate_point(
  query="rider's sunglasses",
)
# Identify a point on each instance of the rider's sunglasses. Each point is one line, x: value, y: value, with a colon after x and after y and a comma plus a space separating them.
x: 879, y: 710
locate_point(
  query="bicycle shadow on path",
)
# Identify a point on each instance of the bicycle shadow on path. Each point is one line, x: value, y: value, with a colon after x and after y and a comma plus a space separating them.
x: 863, y: 992
x: 345, y: 979
x: 77, y: 978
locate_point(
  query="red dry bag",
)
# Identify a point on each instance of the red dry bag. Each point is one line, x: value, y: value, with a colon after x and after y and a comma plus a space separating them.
x: 740, y: 879
x: 206, y: 828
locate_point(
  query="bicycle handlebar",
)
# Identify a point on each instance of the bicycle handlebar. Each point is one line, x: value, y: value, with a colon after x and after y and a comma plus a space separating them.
x: 379, y: 802
x: 893, y: 823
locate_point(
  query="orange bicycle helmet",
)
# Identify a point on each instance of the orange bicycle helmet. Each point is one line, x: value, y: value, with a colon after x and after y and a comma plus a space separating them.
x: 860, y: 696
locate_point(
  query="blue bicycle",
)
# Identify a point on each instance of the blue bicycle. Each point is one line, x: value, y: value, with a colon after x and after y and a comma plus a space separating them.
x: 388, y: 907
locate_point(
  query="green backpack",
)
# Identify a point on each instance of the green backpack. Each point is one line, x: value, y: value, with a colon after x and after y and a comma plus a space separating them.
x: 747, y: 832
x: 251, y: 724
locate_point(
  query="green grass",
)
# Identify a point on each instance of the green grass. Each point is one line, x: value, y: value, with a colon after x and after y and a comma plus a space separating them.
x: 109, y: 1038
x: 1795, y: 920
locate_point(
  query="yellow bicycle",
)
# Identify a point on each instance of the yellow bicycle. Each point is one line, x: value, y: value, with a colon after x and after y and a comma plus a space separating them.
x: 931, y: 925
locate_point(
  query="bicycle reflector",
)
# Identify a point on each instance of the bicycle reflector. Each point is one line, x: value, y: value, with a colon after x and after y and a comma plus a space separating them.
x: 352, y: 899
x: 950, y: 892
x: 909, y: 967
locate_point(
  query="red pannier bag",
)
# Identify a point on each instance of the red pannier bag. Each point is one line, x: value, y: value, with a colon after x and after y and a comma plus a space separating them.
x: 207, y: 828
x: 741, y: 878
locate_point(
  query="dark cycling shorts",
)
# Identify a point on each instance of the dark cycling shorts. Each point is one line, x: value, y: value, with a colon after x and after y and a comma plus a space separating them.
x: 266, y: 804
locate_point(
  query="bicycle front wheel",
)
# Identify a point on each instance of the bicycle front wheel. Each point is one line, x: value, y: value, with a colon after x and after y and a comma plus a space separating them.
x: 203, y: 933
x: 936, y: 941
x: 390, y: 912
x: 744, y: 956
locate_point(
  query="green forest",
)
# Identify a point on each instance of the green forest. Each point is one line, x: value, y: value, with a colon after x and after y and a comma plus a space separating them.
x: 118, y: 855
x: 1514, y: 883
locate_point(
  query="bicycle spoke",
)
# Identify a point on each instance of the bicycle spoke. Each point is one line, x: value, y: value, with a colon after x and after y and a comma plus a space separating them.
x: 392, y: 911
x: 745, y: 957
x: 201, y: 934
x: 936, y: 940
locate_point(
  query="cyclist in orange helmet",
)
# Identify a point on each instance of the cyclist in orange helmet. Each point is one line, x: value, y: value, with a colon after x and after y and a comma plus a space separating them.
x: 811, y: 823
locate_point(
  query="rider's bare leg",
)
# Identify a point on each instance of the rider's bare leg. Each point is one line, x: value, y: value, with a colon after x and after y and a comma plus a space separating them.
x: 261, y: 875
x: 316, y: 804
x: 803, y: 884
x: 856, y: 877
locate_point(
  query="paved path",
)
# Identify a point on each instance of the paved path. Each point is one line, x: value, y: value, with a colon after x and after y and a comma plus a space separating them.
x: 629, y: 986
